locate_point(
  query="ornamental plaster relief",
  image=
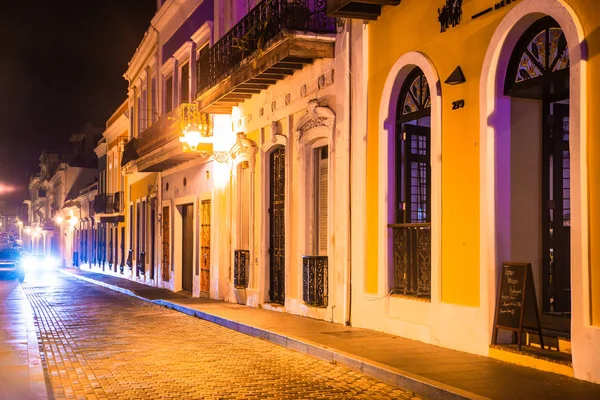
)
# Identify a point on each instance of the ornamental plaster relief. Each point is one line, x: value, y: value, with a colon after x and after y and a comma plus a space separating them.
x: 282, y: 99
x: 307, y: 89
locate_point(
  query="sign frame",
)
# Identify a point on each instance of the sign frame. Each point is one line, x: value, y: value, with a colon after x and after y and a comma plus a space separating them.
x: 527, y: 296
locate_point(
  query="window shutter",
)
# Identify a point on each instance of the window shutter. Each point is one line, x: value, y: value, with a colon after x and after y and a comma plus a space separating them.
x: 323, y: 205
x: 245, y: 188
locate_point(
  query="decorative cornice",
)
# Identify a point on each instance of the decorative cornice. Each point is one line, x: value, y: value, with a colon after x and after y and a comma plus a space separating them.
x: 118, y: 128
x: 142, y: 54
x: 184, y: 51
x: 204, y: 34
x: 243, y: 148
x: 100, y: 150
x: 314, y: 117
x: 168, y: 66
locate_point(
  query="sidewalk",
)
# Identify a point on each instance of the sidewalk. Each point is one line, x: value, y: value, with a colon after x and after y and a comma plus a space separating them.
x: 429, y: 371
x: 21, y: 372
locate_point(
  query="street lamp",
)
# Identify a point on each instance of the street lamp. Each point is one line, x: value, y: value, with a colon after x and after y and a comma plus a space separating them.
x: 196, y: 130
x: 73, y: 220
x: 192, y: 136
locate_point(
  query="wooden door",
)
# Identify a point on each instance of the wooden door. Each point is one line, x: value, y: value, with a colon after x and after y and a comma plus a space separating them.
x: 205, y: 248
x: 122, y: 246
x: 277, y: 226
x: 556, y: 223
x: 166, y: 245
x: 152, y: 237
x: 187, y: 247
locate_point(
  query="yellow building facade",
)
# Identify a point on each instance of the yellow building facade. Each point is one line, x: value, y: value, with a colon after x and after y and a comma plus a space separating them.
x: 496, y: 162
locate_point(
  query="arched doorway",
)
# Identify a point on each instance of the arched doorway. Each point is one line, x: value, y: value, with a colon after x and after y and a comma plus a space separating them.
x: 411, y: 227
x: 538, y: 213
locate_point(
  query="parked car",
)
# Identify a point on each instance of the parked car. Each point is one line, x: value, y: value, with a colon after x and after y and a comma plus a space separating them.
x: 11, y: 262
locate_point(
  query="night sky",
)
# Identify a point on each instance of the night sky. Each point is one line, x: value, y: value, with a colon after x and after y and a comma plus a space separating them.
x: 62, y: 64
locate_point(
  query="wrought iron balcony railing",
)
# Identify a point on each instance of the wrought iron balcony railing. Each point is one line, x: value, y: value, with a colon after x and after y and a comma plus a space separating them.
x: 254, y: 33
x: 412, y: 259
x: 241, y: 268
x: 159, y: 133
x: 109, y: 203
x: 130, y: 152
x: 315, y: 281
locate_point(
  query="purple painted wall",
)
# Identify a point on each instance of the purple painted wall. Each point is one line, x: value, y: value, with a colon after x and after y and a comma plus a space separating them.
x: 204, y: 12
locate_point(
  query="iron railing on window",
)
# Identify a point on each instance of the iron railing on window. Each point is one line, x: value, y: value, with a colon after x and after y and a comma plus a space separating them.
x: 412, y: 259
x: 315, y: 281
x: 241, y: 268
x: 109, y: 203
x: 118, y: 205
x: 255, y: 31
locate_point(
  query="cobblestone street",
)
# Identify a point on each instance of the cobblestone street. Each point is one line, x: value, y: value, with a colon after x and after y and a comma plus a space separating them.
x: 98, y: 344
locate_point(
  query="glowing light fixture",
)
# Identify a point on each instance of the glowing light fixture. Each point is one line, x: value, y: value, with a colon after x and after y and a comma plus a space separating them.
x: 196, y: 129
x: 73, y: 220
x: 193, y: 137
x: 59, y: 219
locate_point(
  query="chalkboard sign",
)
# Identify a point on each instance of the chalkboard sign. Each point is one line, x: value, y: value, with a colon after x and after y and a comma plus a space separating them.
x: 516, y: 308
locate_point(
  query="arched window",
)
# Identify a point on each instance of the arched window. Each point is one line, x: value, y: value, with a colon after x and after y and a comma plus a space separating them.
x: 413, y: 168
x: 540, y: 62
x: 411, y: 229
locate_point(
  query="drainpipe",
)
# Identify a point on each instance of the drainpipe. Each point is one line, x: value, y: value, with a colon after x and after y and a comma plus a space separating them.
x: 157, y: 225
x: 349, y: 245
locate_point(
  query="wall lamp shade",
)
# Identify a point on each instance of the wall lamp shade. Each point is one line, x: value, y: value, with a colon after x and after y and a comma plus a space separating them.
x: 456, y: 77
x: 193, y: 137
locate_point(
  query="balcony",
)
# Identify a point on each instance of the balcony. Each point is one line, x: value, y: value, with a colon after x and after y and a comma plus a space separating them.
x: 241, y: 268
x: 158, y: 148
x: 275, y: 39
x: 315, y: 281
x: 358, y: 9
x: 110, y: 206
x: 412, y: 259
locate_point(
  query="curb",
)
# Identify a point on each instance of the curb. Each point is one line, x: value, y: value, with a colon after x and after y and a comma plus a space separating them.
x: 419, y: 385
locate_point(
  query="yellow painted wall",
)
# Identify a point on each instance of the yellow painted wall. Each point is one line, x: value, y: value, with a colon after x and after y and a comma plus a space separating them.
x: 590, y: 17
x: 414, y: 27
x: 255, y: 136
x: 139, y: 189
x: 117, y: 140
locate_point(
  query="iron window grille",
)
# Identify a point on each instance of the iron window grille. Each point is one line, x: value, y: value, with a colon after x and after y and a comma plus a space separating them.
x: 315, y: 283
x: 241, y: 268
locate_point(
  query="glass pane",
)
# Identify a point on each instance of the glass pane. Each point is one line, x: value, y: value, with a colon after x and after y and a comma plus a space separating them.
x: 415, y: 89
x: 537, y: 47
x: 409, y: 105
x: 527, y: 69
x: 557, y: 40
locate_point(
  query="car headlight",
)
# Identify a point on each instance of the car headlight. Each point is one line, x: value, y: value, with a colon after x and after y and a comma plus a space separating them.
x: 50, y: 262
x: 29, y: 262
